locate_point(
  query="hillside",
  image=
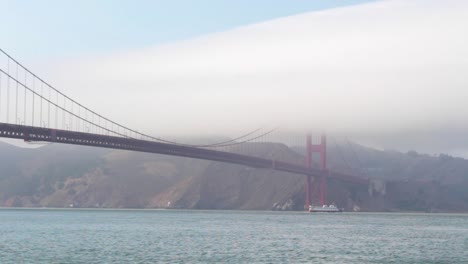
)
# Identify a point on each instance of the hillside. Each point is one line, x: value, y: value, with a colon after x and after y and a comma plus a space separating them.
x: 63, y: 176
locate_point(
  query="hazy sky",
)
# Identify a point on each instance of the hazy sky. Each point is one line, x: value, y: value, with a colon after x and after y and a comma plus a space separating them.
x: 387, y: 73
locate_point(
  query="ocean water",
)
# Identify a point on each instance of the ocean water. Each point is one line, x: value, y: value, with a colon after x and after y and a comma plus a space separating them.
x: 171, y: 236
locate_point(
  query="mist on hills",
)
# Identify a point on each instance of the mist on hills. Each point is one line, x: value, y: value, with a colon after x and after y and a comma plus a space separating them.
x: 64, y: 175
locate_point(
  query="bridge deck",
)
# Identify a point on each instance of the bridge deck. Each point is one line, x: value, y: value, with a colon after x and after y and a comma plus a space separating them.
x: 29, y: 133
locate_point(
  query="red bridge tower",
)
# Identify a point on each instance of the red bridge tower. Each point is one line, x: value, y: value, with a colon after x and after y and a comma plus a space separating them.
x: 319, y: 186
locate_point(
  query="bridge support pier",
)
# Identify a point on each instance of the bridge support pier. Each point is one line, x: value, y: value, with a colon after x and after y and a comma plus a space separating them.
x: 319, y: 185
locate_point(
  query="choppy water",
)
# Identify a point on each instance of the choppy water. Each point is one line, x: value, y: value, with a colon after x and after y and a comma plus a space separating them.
x: 137, y: 236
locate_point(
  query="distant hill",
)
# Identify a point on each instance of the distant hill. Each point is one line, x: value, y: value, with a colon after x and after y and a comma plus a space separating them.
x: 64, y: 175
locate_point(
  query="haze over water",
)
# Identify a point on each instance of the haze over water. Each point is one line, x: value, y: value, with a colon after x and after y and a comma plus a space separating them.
x: 170, y: 236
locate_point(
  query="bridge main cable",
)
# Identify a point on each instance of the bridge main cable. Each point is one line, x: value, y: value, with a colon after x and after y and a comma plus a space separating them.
x: 230, y: 142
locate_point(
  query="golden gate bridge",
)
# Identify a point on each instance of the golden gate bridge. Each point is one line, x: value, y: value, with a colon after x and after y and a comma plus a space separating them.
x: 34, y: 111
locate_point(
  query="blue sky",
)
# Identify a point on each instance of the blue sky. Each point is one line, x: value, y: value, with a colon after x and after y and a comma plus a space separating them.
x: 34, y: 30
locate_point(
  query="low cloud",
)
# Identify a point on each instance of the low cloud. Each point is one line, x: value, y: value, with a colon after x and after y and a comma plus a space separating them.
x: 391, y: 74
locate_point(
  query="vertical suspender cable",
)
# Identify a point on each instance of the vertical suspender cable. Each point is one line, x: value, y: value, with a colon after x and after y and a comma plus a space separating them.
x: 63, y: 113
x: 71, y: 116
x: 17, y: 87
x: 25, y: 90
x: 56, y: 110
x: 8, y: 93
x: 48, y: 111
x: 33, y: 95
x: 78, y: 120
x: 40, y: 112
x: 86, y: 118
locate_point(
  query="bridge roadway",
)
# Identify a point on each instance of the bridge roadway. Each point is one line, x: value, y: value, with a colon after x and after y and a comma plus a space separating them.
x: 29, y: 133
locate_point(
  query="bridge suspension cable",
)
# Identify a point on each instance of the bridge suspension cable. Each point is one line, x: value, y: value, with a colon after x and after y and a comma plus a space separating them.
x: 248, y: 140
x: 99, y: 122
x: 361, y: 166
x: 342, y: 156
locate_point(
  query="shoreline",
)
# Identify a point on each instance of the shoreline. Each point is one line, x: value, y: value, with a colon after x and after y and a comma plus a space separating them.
x: 221, y: 210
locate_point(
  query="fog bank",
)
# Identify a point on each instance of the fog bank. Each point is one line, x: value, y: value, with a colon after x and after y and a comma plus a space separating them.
x: 390, y: 73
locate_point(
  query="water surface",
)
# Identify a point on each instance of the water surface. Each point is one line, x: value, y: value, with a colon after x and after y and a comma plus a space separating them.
x: 170, y: 236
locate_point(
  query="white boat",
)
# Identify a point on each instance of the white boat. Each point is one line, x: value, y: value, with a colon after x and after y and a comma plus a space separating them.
x: 325, y: 209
